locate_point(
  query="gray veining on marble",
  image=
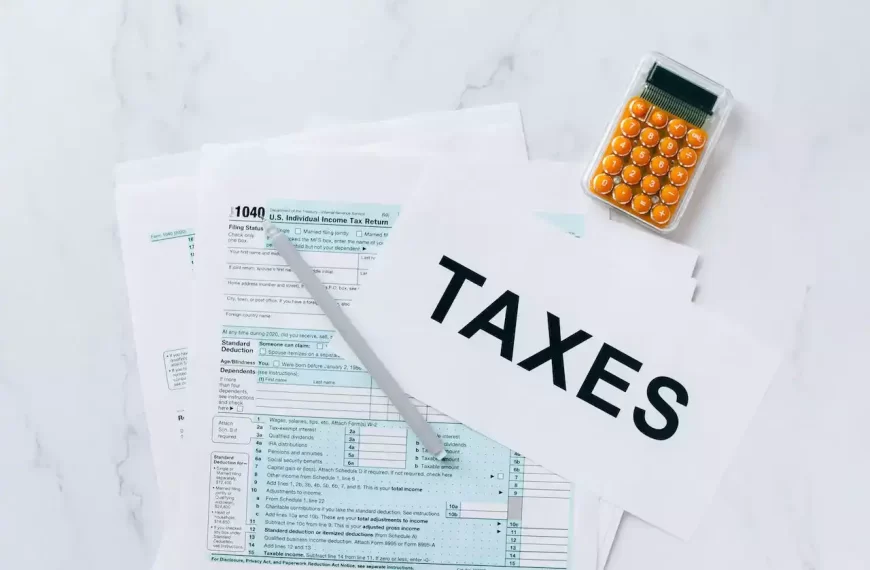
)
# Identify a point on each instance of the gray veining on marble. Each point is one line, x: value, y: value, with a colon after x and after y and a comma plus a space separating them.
x: 781, y: 225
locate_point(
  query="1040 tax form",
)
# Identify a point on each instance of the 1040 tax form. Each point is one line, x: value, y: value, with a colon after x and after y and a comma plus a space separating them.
x: 297, y: 456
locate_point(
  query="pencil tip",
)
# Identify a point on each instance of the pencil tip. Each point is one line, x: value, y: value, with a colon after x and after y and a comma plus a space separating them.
x: 270, y: 228
x: 441, y: 455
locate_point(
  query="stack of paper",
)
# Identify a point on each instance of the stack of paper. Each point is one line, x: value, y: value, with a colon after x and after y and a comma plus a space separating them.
x: 290, y: 454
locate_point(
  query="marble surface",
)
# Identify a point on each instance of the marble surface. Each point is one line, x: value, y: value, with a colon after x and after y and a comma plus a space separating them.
x: 781, y: 225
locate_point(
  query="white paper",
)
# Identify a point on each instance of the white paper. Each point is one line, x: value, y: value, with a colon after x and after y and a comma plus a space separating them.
x: 156, y: 206
x: 159, y: 271
x: 661, y: 268
x: 479, y: 132
x: 167, y: 208
x: 155, y: 222
x: 723, y: 370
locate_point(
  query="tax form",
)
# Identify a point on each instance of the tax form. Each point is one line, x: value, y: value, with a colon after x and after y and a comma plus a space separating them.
x: 156, y: 207
x: 164, y: 217
x: 558, y: 214
x: 298, y: 458
x: 157, y: 214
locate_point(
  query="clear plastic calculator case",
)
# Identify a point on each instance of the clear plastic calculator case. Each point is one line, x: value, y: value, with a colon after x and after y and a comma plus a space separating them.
x: 659, y: 142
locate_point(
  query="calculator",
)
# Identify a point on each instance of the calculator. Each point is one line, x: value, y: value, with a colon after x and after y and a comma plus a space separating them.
x: 658, y: 142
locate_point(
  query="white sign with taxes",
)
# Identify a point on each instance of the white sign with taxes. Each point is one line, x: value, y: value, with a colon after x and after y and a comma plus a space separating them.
x: 534, y: 339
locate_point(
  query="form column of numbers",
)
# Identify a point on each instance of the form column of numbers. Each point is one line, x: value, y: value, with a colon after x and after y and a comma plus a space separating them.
x: 534, y: 540
x: 190, y: 247
x: 382, y: 447
x: 254, y: 514
x: 351, y: 446
x: 517, y: 472
x: 513, y: 540
x: 513, y: 543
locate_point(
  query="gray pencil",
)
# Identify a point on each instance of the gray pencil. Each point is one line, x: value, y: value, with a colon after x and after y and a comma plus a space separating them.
x: 355, y: 341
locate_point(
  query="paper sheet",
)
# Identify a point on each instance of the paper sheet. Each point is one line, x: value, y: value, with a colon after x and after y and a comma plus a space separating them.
x: 483, y: 132
x: 155, y: 222
x: 169, y: 206
x: 458, y: 498
x: 156, y: 205
x: 156, y: 226
x: 671, y: 453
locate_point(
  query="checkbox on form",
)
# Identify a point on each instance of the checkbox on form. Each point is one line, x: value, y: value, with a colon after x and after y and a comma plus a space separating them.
x: 298, y: 230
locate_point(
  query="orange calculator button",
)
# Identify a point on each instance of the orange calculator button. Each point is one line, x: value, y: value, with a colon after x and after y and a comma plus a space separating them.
x: 659, y: 165
x: 696, y: 138
x: 621, y: 146
x: 661, y: 214
x: 629, y: 127
x: 640, y: 155
x: 631, y: 175
x: 611, y: 164
x: 638, y: 108
x: 687, y: 157
x: 669, y: 147
x: 678, y: 176
x: 650, y: 184
x: 602, y: 184
x: 641, y: 203
x: 622, y: 193
x: 677, y: 128
x: 649, y: 137
x: 670, y: 195
x: 658, y: 119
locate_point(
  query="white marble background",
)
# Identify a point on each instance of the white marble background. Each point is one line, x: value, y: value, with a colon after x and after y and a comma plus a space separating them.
x: 782, y: 224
